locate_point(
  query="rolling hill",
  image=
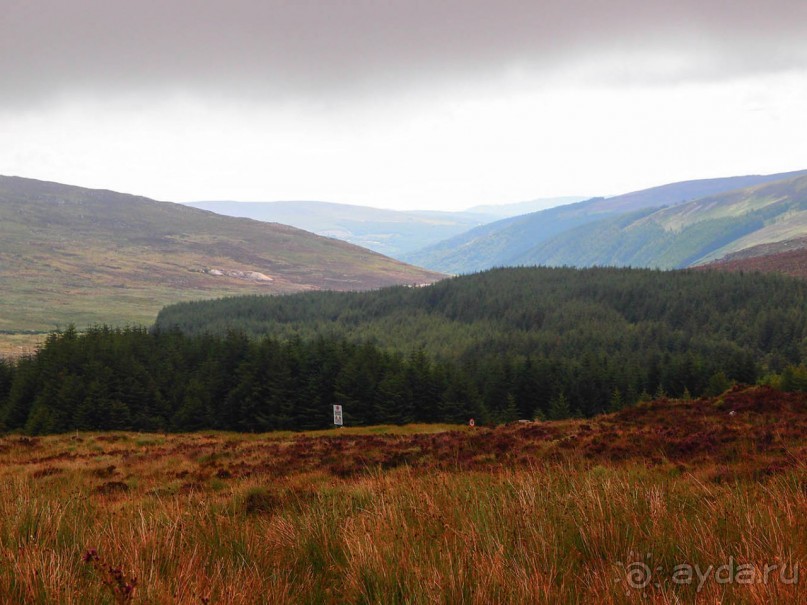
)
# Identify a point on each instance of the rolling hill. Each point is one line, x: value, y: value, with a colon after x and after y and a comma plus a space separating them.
x: 390, y: 232
x: 684, y: 235
x: 75, y: 255
x: 563, y: 235
x: 507, y: 210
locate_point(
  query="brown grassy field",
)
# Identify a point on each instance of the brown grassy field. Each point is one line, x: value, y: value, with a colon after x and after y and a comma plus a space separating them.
x: 708, y: 491
x: 13, y: 346
x: 793, y: 263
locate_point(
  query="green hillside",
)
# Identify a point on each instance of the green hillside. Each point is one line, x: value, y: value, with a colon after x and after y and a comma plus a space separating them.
x: 686, y: 234
x: 499, y: 243
x: 600, y: 231
x: 74, y: 255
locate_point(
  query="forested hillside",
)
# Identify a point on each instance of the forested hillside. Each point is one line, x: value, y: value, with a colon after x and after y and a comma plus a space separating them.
x: 499, y: 243
x: 497, y: 346
x: 535, y: 310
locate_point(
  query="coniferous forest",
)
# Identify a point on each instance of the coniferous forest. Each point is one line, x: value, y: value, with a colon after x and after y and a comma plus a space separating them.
x: 496, y: 346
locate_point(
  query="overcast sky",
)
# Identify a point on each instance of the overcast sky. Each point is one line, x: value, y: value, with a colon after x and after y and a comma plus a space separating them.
x: 400, y: 104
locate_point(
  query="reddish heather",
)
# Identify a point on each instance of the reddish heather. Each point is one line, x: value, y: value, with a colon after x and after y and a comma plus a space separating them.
x: 790, y: 262
x: 748, y: 431
x: 753, y: 431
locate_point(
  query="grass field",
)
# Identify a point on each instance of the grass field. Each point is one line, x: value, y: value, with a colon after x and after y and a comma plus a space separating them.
x: 707, y: 491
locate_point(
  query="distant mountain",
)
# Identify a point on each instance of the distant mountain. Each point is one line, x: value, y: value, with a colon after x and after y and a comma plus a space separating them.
x: 686, y: 234
x: 69, y: 254
x: 508, y: 210
x: 498, y: 244
x: 686, y: 191
x: 389, y: 232
x: 560, y: 235
x: 788, y: 257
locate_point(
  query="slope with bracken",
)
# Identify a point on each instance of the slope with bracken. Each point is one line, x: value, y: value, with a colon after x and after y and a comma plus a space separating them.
x: 75, y: 255
x: 788, y: 257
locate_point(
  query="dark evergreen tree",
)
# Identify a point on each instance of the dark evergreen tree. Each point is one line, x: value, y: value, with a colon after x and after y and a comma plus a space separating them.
x: 559, y: 408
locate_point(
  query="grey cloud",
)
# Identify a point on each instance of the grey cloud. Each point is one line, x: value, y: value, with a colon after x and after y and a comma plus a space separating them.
x: 273, y: 47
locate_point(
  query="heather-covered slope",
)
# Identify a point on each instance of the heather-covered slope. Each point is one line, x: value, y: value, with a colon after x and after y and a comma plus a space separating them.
x: 788, y: 257
x: 69, y: 254
x: 412, y: 514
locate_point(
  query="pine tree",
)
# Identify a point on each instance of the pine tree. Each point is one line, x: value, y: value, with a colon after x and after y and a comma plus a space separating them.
x: 559, y: 408
x: 194, y: 414
x: 460, y: 401
x: 510, y: 411
x: 617, y: 402
x: 394, y: 402
x: 717, y: 385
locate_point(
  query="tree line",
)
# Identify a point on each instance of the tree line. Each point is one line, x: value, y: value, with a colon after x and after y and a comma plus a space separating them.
x: 496, y: 346
x: 137, y: 379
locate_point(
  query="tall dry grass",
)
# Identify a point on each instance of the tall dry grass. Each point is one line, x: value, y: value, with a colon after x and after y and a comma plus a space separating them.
x: 554, y: 533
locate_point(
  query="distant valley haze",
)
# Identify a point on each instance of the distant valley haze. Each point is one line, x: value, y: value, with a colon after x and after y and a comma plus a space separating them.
x: 392, y: 232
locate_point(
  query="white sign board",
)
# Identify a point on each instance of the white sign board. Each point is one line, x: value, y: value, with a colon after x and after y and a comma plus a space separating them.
x: 337, y: 415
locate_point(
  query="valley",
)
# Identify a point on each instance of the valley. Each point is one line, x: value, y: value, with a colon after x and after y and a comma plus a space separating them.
x: 389, y: 232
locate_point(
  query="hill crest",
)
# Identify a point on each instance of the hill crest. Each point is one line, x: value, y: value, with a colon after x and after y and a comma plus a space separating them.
x: 553, y: 236
x: 75, y: 255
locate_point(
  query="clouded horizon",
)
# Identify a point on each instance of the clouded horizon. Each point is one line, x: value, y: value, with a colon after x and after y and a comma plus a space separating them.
x: 416, y: 104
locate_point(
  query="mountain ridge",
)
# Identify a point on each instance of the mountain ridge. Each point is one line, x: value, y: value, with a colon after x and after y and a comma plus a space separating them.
x: 554, y: 236
x: 535, y: 205
x: 687, y: 234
